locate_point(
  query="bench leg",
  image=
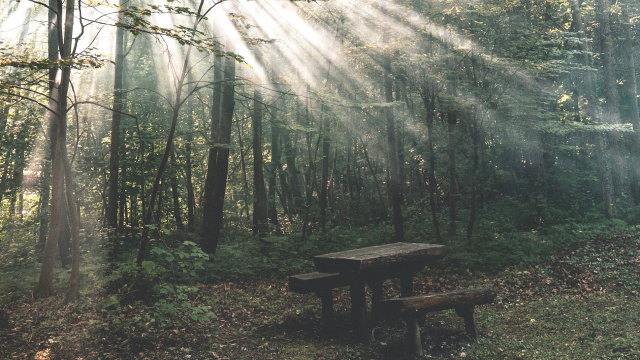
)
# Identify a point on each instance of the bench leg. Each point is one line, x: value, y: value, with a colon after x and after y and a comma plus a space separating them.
x: 326, y: 297
x: 414, y: 339
x: 376, y: 289
x: 406, y: 285
x: 469, y: 321
x: 359, y: 310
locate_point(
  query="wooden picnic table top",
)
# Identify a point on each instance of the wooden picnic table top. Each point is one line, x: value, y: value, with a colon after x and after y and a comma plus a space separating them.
x: 379, y: 257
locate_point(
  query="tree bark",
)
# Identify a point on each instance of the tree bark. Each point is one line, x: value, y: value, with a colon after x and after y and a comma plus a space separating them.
x: 214, y: 221
x: 392, y: 149
x: 188, y: 166
x: 324, y: 177
x: 474, y: 174
x: 260, y: 217
x: 73, y: 291
x: 43, y: 206
x: 272, y: 212
x: 214, y: 138
x: 293, y: 173
x: 245, y: 183
x: 375, y: 179
x: 429, y: 102
x: 453, y: 181
x: 58, y: 102
x: 634, y: 114
x: 174, y: 192
x: 612, y: 105
x: 114, y: 149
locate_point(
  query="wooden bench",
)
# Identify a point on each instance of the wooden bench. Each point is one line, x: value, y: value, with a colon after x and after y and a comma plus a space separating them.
x: 410, y: 308
x: 322, y: 284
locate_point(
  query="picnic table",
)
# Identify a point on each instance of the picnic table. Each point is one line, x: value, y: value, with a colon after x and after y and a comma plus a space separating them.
x: 374, y: 264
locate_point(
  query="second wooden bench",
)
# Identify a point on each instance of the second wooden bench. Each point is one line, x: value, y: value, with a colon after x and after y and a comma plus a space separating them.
x: 463, y: 301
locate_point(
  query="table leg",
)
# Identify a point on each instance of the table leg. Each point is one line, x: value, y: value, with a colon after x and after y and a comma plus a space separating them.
x: 359, y: 310
x: 376, y: 289
x: 406, y: 284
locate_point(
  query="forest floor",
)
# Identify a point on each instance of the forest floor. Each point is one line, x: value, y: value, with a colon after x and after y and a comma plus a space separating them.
x: 582, y: 305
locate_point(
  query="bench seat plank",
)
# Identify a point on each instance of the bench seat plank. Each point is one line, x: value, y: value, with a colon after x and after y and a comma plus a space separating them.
x: 437, y: 302
x: 315, y: 282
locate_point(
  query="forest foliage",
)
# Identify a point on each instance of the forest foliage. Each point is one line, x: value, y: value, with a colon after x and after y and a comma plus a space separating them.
x: 202, y: 141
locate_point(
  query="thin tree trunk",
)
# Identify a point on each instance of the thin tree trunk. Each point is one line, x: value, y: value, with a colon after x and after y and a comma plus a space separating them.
x: 18, y: 176
x: 114, y: 159
x: 174, y: 192
x: 73, y: 291
x: 429, y: 101
x: 474, y: 174
x: 310, y: 178
x: 43, y: 207
x: 324, y: 177
x: 260, y: 217
x: 189, y: 174
x: 312, y: 184
x: 286, y: 197
x: 375, y: 179
x: 272, y: 212
x: 453, y: 185
x: 392, y: 148
x: 209, y: 185
x: 245, y: 183
x: 161, y: 193
x: 292, y: 170
x: 332, y: 180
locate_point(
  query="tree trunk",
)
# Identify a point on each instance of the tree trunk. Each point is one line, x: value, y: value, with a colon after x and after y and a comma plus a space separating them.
x: 214, y: 223
x: 400, y: 88
x: 245, y: 183
x: 292, y: 171
x: 375, y: 179
x: 73, y: 291
x: 453, y: 182
x: 114, y: 152
x: 43, y: 206
x: 286, y: 197
x: 392, y: 148
x: 260, y: 218
x: 634, y: 115
x: 174, y: 192
x: 58, y: 102
x: 474, y: 174
x: 429, y: 102
x: 272, y: 212
x: 612, y: 107
x: 310, y: 178
x: 324, y: 177
x: 18, y: 176
x: 208, y: 200
x: 188, y: 166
